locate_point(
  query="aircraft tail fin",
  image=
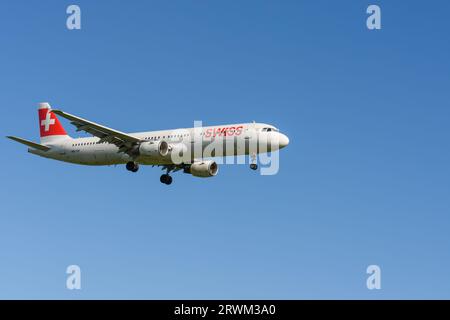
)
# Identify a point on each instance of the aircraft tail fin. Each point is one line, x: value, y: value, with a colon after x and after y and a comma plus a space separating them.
x: 51, y: 130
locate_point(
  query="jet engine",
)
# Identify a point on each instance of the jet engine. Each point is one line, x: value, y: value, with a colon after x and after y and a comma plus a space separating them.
x: 154, y: 149
x: 203, y: 169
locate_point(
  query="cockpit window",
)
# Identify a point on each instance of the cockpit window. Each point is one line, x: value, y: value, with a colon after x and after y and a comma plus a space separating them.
x: 269, y: 129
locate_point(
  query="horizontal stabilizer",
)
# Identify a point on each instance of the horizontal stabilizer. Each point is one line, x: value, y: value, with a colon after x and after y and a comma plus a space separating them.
x: 29, y: 143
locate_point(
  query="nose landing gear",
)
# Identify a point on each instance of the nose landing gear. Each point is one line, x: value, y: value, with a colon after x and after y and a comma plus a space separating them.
x: 132, y: 166
x: 253, y: 165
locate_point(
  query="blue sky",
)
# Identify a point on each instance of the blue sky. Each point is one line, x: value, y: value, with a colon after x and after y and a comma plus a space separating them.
x: 365, y: 179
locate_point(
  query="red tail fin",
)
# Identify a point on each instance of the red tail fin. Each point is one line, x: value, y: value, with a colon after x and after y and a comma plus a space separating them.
x: 49, y: 124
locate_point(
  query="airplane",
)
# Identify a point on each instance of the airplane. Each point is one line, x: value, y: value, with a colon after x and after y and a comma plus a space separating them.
x: 187, y: 149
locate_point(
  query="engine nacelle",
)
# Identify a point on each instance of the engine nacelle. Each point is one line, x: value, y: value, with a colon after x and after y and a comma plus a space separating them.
x: 154, y: 149
x: 203, y: 169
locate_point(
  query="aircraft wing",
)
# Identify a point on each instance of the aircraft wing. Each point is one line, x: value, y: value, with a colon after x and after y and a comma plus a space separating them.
x: 126, y: 143
x: 30, y: 143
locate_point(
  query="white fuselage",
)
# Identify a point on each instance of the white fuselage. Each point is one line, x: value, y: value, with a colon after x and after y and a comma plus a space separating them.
x: 224, y: 140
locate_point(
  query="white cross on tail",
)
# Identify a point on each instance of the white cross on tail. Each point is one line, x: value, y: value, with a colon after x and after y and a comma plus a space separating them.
x: 47, y: 122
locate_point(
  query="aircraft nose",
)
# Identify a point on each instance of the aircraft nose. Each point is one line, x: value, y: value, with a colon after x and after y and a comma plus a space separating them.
x: 284, y: 140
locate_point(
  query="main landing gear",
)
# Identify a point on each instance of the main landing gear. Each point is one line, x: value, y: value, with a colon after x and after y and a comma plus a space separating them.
x: 132, y: 166
x: 166, y: 179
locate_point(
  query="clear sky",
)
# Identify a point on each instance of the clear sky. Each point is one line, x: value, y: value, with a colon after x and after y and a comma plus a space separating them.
x: 365, y: 179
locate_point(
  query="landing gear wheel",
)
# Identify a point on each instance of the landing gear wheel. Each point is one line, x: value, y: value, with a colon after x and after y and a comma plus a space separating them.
x: 166, y: 179
x: 254, y: 166
x: 132, y: 166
